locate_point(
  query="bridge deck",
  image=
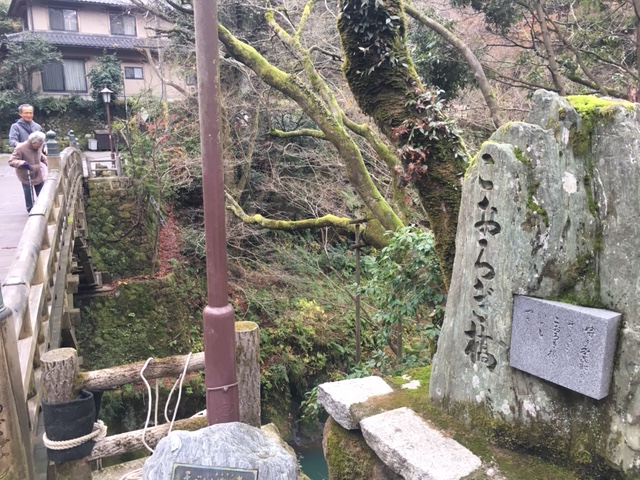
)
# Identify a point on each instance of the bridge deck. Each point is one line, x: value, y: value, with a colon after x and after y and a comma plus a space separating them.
x: 13, y: 214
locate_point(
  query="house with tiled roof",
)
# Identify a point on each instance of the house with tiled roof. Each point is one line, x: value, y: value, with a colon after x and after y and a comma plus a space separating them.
x: 82, y: 30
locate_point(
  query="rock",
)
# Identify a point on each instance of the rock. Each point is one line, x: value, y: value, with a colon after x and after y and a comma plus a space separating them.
x: 225, y: 445
x: 540, y: 219
x: 271, y: 431
x: 338, y: 397
x: 350, y: 458
x: 413, y: 449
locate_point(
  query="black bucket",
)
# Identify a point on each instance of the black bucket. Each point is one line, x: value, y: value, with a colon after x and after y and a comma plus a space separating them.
x: 67, y: 421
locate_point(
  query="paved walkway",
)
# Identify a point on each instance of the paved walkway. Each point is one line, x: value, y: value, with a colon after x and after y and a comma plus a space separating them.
x: 13, y: 214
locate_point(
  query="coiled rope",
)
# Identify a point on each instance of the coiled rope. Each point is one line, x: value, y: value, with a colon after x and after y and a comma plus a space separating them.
x: 99, y: 431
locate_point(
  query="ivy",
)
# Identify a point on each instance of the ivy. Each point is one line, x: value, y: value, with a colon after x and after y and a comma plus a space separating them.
x: 377, y: 27
x: 422, y: 138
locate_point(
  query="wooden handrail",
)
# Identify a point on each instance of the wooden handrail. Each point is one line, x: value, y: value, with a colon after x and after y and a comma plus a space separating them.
x: 29, y: 290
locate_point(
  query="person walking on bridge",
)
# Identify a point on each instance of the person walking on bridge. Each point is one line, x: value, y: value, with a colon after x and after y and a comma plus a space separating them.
x: 27, y: 158
x: 24, y: 126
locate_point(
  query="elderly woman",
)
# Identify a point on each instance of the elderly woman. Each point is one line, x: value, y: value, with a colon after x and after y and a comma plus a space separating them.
x: 26, y: 159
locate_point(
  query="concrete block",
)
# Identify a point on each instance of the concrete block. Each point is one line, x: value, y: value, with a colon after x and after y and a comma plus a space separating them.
x: 338, y: 397
x: 414, y: 450
x: 566, y: 344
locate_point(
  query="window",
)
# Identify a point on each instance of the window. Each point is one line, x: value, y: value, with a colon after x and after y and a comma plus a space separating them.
x: 65, y: 76
x: 133, y: 73
x: 63, y: 19
x: 191, y: 80
x: 123, y: 24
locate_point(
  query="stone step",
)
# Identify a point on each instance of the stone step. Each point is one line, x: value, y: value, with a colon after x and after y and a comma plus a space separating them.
x: 338, y: 397
x: 414, y: 450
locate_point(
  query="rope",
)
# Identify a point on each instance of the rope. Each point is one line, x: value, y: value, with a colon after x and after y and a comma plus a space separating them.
x: 166, y: 406
x: 146, y: 423
x: 99, y: 431
x: 166, y: 409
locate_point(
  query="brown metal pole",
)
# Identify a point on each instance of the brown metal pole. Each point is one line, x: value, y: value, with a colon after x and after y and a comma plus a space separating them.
x: 110, y: 135
x: 218, y: 317
x: 357, y: 247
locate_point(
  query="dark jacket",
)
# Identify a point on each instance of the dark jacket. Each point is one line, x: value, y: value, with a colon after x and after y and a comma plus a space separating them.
x: 24, y: 153
x: 21, y: 130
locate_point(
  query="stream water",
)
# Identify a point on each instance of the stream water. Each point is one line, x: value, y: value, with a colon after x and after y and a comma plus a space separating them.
x: 311, y: 459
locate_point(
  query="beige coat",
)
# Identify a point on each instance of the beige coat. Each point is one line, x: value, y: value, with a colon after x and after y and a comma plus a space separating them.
x: 24, y: 153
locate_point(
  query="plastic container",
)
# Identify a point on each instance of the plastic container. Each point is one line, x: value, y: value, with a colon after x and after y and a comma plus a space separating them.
x: 92, y: 144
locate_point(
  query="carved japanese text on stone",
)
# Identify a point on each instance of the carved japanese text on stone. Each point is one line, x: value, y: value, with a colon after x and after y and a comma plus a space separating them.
x: 478, y: 332
x: 569, y: 345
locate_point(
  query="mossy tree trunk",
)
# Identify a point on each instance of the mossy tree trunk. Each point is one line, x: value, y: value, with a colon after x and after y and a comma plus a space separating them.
x: 386, y: 86
x: 328, y: 118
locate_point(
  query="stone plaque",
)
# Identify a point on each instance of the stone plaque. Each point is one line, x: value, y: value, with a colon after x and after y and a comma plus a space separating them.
x: 182, y: 471
x: 569, y: 345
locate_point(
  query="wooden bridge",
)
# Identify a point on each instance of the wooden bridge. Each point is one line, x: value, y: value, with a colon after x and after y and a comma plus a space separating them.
x: 40, y: 252
x: 36, y: 311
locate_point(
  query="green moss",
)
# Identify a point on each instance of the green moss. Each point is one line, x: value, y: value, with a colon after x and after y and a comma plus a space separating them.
x: 122, y: 226
x: 592, y: 110
x: 533, y: 206
x: 587, y: 104
x: 520, y: 156
x: 348, y: 455
x: 141, y: 319
x: 579, y: 282
x: 531, y: 451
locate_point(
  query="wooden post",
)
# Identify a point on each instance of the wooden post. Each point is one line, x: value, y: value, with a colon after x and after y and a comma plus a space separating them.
x: 16, y: 450
x: 248, y: 372
x: 59, y: 369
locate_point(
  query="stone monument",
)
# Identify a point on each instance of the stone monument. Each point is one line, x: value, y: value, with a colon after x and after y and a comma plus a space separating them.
x: 550, y: 209
x: 241, y: 450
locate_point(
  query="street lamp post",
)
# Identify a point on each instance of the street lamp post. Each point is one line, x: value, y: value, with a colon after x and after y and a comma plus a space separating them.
x: 218, y: 317
x: 106, y: 98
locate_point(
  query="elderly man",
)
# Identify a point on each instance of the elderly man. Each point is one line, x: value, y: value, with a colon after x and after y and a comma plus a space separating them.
x: 24, y: 126
x: 27, y: 158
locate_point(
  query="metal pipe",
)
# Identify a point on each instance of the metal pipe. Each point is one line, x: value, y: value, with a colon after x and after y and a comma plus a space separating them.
x: 357, y: 247
x: 218, y: 316
x: 113, y: 158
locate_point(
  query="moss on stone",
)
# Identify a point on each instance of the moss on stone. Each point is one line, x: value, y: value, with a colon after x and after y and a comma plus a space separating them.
x: 349, y: 457
x: 533, y: 206
x: 122, y: 226
x: 518, y: 451
x: 592, y: 110
x: 520, y: 156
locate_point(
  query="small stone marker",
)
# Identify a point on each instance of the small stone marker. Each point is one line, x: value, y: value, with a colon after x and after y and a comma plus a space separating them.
x: 568, y: 345
x: 226, y: 446
x: 196, y: 472
x: 414, y: 450
x: 338, y: 397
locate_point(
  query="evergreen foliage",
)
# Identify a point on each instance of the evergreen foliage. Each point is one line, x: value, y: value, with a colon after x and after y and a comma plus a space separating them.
x: 438, y: 63
x: 23, y: 60
x: 108, y: 73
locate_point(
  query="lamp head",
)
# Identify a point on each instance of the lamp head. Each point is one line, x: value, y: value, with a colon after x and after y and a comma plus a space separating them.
x: 106, y: 95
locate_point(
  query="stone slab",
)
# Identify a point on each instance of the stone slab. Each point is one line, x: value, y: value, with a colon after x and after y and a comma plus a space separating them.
x: 414, y: 450
x: 226, y: 445
x: 338, y: 397
x: 566, y: 344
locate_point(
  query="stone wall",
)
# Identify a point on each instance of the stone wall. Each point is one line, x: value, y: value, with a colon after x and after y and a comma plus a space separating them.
x: 549, y: 209
x: 122, y: 226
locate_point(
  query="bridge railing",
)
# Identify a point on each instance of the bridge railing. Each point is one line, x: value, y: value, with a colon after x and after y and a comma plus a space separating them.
x: 36, y: 307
